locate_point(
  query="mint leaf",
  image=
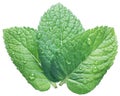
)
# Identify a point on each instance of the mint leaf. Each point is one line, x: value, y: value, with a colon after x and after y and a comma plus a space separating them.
x: 57, y: 26
x: 23, y: 49
x: 86, y: 58
x: 61, y: 50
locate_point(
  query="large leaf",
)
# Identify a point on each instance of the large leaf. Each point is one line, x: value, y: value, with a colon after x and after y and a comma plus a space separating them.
x: 86, y: 58
x: 57, y: 26
x: 23, y: 50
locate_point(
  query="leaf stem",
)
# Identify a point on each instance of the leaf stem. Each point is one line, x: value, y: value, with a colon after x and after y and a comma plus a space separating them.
x: 54, y: 84
x: 61, y: 83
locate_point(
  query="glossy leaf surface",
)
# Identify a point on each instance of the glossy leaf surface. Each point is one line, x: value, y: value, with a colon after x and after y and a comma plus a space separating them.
x: 57, y: 26
x: 23, y: 49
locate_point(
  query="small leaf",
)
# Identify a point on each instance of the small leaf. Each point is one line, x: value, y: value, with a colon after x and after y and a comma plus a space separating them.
x: 57, y: 26
x: 23, y: 50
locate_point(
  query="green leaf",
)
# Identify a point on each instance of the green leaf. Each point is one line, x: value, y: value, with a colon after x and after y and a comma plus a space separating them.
x: 87, y: 58
x: 61, y: 50
x: 23, y: 49
x: 57, y: 26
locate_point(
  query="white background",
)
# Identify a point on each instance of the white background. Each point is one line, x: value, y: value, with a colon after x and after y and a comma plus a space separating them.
x: 27, y: 13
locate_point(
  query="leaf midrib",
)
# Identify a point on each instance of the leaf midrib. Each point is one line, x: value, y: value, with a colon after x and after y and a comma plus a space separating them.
x: 67, y: 77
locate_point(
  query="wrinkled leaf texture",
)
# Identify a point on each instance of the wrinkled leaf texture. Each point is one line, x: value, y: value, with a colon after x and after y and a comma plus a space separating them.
x: 23, y: 49
x: 61, y: 50
x: 57, y: 26
x: 72, y: 55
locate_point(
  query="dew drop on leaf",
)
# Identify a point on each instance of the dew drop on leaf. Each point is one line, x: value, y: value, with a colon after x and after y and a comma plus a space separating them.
x: 95, y: 69
x: 42, y: 52
x: 13, y: 53
x: 80, y: 68
x: 68, y: 62
x: 32, y: 76
x: 24, y: 62
x: 18, y: 32
x: 39, y: 35
x: 89, y: 41
x: 96, y: 63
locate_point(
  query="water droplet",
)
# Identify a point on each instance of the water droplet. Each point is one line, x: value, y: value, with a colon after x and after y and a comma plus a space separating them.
x: 95, y: 69
x: 18, y: 32
x: 80, y: 68
x: 13, y: 53
x: 89, y: 41
x: 68, y: 62
x: 18, y: 43
x: 96, y: 63
x: 42, y: 52
x: 61, y: 42
x: 32, y: 76
x: 39, y: 36
x: 24, y: 62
